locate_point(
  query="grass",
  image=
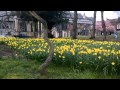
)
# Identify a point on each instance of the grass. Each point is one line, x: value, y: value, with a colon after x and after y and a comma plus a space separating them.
x: 16, y: 68
x: 100, y: 38
x: 19, y: 68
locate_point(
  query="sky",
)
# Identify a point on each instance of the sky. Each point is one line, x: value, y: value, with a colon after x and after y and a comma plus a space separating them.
x: 107, y: 14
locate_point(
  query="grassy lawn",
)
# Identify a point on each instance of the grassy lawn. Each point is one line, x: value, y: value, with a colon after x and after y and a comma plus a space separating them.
x: 16, y: 68
x: 100, y: 38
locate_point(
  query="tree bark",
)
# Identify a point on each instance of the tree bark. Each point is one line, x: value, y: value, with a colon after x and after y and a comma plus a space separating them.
x: 94, y: 24
x: 43, y: 67
x: 33, y: 28
x: 75, y: 25
x: 38, y: 29
x: 103, y: 25
x: 17, y: 22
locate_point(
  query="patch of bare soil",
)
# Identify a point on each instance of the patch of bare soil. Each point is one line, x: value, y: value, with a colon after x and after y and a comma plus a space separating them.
x: 6, y: 51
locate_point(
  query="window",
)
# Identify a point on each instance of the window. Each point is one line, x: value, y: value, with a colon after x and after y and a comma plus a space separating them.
x: 78, y: 33
x: 64, y: 26
x: 118, y: 26
x: 32, y: 28
x: 22, y: 27
x: 36, y: 27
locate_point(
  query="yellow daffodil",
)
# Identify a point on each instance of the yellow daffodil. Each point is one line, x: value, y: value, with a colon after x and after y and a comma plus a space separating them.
x: 80, y: 62
x: 99, y: 57
x: 113, y: 63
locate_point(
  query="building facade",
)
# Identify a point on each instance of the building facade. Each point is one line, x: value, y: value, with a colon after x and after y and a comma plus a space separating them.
x: 84, y: 26
x: 16, y: 26
x: 12, y: 25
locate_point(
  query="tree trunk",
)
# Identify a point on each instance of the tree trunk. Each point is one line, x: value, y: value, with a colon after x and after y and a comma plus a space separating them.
x: 94, y: 24
x: 50, y: 35
x: 33, y: 28
x: 75, y: 25
x: 60, y: 33
x: 16, y: 26
x: 43, y: 67
x: 103, y: 25
x: 38, y: 29
x: 17, y: 22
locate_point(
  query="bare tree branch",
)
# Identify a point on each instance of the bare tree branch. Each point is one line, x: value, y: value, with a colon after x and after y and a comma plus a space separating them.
x: 43, y: 67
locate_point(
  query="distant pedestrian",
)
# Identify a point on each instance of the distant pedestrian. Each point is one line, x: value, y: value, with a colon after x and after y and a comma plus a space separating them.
x: 115, y: 36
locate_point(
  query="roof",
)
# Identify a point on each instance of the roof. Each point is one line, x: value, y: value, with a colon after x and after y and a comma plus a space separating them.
x: 85, y: 21
x: 79, y: 15
x: 90, y: 18
x: 81, y: 21
x: 70, y: 15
